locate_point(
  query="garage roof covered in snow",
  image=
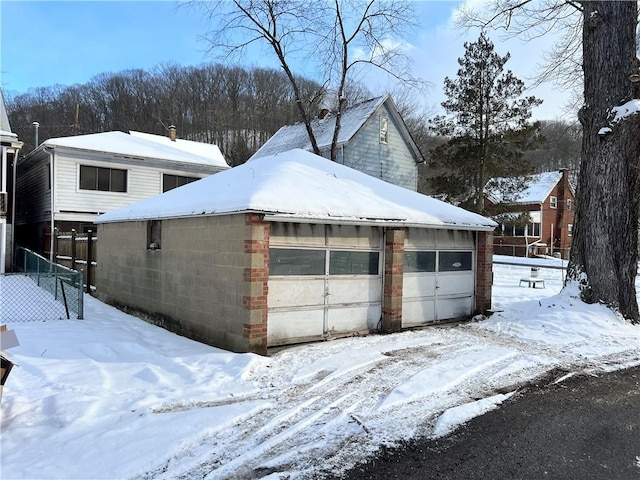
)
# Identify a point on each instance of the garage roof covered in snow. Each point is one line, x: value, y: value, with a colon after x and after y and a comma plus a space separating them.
x: 300, y: 186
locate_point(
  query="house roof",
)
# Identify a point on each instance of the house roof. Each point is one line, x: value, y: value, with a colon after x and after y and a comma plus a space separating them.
x: 206, y: 150
x: 353, y: 119
x: 120, y: 143
x: 7, y: 137
x: 300, y: 186
x: 5, y: 128
x: 538, y: 188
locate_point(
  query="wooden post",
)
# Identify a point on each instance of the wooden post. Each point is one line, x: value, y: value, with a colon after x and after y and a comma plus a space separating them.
x: 89, y: 255
x: 56, y: 247
x: 73, y: 249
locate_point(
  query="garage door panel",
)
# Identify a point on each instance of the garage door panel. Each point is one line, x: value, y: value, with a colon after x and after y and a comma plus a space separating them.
x: 454, y: 307
x: 418, y: 285
x: 284, y: 326
x: 355, y: 318
x: 295, y: 292
x: 455, y: 283
x: 418, y: 312
x: 354, y: 290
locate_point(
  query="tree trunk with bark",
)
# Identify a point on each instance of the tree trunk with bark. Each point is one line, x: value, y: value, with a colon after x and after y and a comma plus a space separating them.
x: 605, y: 246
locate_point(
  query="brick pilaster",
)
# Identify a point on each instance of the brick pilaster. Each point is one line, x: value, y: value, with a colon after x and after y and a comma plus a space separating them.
x: 484, y: 271
x: 256, y: 278
x: 393, y: 275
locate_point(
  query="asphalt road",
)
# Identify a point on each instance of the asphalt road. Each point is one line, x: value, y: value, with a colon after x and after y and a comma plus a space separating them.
x: 584, y: 428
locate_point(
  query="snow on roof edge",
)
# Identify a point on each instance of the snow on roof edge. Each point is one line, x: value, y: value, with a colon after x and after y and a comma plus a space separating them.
x: 293, y: 218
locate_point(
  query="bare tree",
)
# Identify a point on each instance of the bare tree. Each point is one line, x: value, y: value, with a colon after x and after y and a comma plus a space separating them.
x: 332, y: 39
x: 604, y: 252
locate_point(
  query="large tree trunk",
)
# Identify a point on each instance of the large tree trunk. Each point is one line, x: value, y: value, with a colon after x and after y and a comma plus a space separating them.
x: 605, y: 247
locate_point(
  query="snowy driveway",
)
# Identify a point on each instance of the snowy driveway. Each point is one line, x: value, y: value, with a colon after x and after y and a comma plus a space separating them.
x: 113, y: 397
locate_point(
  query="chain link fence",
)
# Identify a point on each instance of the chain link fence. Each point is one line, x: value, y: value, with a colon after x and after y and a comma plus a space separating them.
x: 41, y: 290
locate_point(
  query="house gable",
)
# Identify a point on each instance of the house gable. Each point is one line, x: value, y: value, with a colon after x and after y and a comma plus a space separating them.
x: 359, y: 143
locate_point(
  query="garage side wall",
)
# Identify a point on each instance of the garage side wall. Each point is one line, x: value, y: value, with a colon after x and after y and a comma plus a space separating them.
x: 202, y: 282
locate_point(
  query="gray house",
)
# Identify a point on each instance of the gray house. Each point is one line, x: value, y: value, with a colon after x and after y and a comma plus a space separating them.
x: 373, y: 139
x: 293, y: 248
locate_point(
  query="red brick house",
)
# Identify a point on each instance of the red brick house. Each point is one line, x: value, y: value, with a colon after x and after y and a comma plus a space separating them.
x: 540, y: 219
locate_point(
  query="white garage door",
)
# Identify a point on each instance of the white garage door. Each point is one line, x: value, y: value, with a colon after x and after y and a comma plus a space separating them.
x: 323, y: 281
x: 439, y: 276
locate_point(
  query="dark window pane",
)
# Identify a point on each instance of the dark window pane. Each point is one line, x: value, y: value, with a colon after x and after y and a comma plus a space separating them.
x: 353, y: 263
x: 88, y: 177
x: 169, y: 182
x: 454, y: 261
x: 154, y: 240
x: 419, y: 261
x: 118, y: 180
x: 535, y: 230
x: 285, y: 261
x: 518, y: 231
x: 104, y: 179
x: 184, y: 180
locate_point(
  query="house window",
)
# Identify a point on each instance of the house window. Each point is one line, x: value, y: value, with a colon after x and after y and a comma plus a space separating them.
x: 570, y: 229
x: 569, y: 204
x: 535, y: 230
x: 103, y: 179
x: 553, y: 202
x: 384, y: 130
x: 154, y: 234
x: 169, y: 182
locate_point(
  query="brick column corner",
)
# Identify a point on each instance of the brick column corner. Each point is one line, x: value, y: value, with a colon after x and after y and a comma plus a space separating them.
x: 393, y: 275
x: 256, y: 278
x: 484, y: 271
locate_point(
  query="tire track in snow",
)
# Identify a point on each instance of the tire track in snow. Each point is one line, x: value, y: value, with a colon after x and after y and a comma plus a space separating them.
x: 349, y: 401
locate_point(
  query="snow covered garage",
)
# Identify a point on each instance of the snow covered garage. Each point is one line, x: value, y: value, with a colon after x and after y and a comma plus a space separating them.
x: 292, y: 248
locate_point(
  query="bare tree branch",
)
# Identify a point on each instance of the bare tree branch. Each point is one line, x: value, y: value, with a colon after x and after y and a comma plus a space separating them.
x: 323, y: 37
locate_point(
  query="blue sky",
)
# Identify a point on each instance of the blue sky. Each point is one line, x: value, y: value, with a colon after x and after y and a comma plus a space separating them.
x: 45, y: 43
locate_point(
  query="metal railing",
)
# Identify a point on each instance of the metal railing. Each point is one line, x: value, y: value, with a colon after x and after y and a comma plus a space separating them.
x: 40, y: 290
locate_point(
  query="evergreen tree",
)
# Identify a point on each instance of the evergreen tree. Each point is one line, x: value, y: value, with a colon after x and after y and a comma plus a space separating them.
x: 487, y: 127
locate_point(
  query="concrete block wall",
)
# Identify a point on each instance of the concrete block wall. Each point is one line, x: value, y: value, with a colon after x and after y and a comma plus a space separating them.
x: 196, y: 284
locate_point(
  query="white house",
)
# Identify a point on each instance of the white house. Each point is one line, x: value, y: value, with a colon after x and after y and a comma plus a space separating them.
x: 9, y: 148
x: 67, y: 182
x: 373, y: 139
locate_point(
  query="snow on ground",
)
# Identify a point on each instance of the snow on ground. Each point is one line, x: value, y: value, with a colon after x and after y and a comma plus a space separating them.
x: 114, y: 397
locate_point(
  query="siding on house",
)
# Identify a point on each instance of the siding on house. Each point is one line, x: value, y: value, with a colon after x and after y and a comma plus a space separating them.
x: 33, y: 200
x: 73, y: 204
x: 392, y: 162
